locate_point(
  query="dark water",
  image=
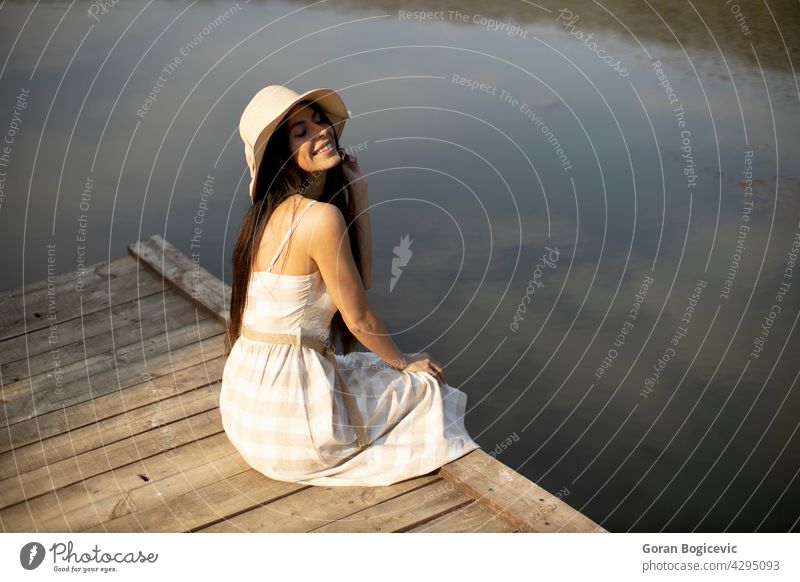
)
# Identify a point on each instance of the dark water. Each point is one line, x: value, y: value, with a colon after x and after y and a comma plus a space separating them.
x: 650, y: 375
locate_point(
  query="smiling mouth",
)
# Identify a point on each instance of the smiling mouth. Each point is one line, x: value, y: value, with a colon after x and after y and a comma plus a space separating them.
x: 325, y: 150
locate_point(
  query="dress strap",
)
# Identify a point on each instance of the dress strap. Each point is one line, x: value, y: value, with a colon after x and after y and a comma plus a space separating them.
x: 288, y: 234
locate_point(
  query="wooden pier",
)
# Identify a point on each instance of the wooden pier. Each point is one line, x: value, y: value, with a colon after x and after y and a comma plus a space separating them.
x: 110, y: 423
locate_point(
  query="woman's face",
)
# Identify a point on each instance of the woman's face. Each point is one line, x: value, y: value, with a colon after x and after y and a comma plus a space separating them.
x: 311, y: 139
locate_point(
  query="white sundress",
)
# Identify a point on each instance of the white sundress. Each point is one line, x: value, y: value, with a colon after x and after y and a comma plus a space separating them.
x: 283, y: 411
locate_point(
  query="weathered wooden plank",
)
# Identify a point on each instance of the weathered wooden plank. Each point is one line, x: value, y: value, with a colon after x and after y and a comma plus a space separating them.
x: 472, y: 518
x: 101, y: 374
x: 109, y: 431
x: 158, y: 496
x: 194, y: 366
x: 518, y: 500
x: 402, y: 513
x: 118, y: 266
x: 136, y: 486
x: 204, y: 505
x: 107, y: 284
x: 184, y: 274
x: 80, y: 338
x: 313, y: 507
x: 119, y: 454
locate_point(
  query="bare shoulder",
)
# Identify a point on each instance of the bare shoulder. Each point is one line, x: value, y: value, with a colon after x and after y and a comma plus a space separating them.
x: 324, y: 220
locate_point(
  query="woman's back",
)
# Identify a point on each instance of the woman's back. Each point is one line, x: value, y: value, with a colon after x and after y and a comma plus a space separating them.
x: 279, y: 300
x: 284, y: 242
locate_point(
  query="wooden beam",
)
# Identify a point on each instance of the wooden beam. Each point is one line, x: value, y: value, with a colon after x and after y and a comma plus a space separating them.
x: 513, y: 497
x: 188, y: 277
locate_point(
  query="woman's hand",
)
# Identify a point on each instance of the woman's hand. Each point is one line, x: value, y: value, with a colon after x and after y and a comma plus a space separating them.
x: 357, y: 183
x: 422, y: 362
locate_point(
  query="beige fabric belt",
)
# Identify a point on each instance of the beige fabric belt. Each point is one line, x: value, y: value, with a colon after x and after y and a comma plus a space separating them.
x: 353, y: 413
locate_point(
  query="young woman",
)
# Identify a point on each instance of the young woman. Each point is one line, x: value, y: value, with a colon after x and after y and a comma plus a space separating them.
x: 293, y: 408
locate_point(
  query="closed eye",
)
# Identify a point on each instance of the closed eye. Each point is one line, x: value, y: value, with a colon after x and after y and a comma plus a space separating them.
x: 318, y: 120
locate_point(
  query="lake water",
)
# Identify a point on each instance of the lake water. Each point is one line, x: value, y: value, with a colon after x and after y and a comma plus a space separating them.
x: 602, y: 206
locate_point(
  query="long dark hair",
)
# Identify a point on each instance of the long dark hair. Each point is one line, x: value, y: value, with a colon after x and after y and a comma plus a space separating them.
x: 279, y: 177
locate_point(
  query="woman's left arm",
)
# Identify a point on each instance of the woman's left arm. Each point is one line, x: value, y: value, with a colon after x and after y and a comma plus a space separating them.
x: 359, y: 206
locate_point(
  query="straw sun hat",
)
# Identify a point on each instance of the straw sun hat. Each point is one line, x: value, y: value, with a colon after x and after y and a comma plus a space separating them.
x: 266, y: 110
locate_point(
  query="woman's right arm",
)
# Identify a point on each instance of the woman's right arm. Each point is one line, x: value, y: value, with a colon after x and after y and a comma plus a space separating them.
x: 330, y: 249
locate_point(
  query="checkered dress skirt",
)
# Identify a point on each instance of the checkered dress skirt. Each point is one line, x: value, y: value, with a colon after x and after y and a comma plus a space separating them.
x: 283, y: 410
